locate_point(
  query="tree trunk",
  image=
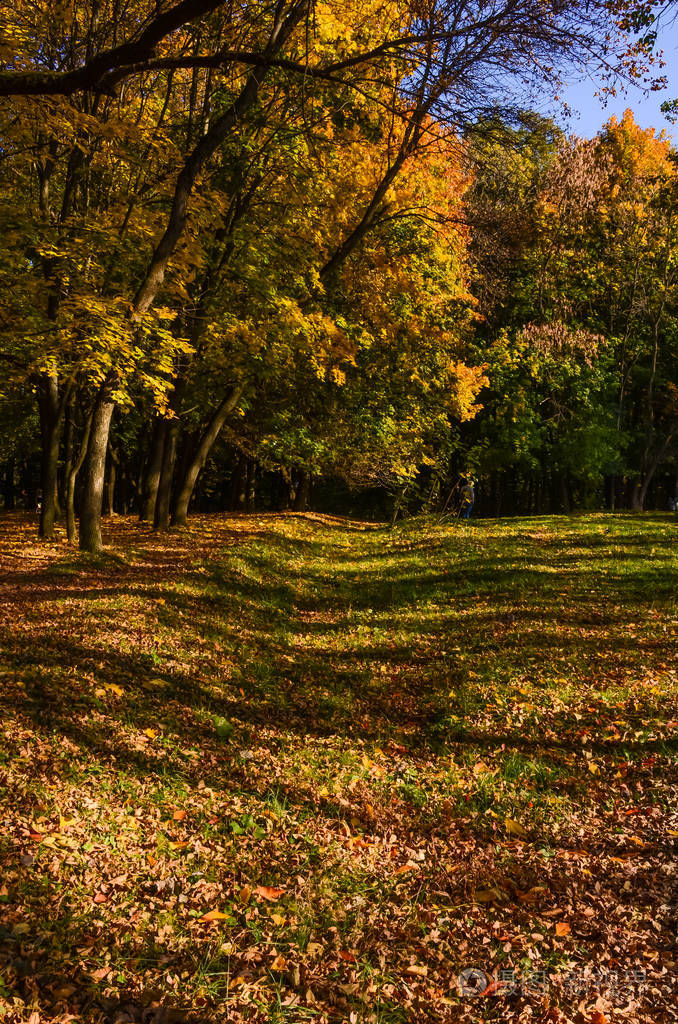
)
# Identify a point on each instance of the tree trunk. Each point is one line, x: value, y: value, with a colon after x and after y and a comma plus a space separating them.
x: 71, y: 477
x: 251, y: 484
x: 636, y: 503
x: 303, y: 491
x: 612, y: 492
x: 51, y: 417
x: 216, y: 135
x: 69, y: 428
x: 207, y: 439
x: 90, y: 514
x: 161, y: 518
x: 239, y: 485
x: 153, y: 471
x: 398, y: 499
x: 288, y: 488
x: 110, y: 480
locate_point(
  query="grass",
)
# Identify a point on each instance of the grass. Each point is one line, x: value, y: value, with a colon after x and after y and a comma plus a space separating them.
x: 295, y: 768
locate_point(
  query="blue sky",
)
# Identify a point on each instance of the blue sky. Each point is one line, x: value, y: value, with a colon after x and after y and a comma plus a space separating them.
x: 646, y: 109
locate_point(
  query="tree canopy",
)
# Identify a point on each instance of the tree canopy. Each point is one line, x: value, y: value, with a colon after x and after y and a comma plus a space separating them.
x: 264, y: 243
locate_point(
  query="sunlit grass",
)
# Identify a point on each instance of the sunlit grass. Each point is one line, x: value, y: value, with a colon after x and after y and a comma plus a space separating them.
x: 398, y: 728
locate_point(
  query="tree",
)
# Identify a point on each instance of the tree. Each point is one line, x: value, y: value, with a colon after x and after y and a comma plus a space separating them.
x: 119, y: 128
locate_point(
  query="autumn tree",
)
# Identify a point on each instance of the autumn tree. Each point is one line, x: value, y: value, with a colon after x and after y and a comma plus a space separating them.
x: 120, y: 126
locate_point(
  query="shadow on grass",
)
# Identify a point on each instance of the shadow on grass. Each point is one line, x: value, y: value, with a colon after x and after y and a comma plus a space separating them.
x: 358, y: 635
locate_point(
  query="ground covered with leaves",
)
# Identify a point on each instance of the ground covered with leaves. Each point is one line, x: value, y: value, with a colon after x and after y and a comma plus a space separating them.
x: 294, y: 768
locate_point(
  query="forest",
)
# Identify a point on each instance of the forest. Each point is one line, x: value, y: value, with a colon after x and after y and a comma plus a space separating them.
x: 328, y: 254
x: 338, y: 480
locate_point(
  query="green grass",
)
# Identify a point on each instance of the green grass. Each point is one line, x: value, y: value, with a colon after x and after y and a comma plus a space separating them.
x: 439, y: 741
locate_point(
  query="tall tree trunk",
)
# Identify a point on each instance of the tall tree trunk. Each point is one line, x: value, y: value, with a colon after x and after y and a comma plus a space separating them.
x: 207, y: 439
x: 51, y: 418
x: 303, y: 491
x: 95, y: 467
x: 153, y: 471
x: 110, y: 479
x: 398, y: 500
x: 287, y: 488
x: 216, y: 134
x: 69, y: 429
x: 613, y: 493
x: 161, y: 519
x: 214, y: 137
x: 636, y: 500
x: 74, y: 469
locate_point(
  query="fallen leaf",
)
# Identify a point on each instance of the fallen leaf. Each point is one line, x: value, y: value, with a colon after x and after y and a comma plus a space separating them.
x: 410, y: 866
x: 562, y: 928
x: 268, y: 892
x: 214, y: 915
x: 493, y: 987
x: 514, y: 828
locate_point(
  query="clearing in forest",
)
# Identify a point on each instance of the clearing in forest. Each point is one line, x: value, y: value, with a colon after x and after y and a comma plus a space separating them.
x: 294, y: 768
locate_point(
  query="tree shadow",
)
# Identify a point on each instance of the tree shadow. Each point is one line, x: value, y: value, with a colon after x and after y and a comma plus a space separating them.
x: 296, y: 638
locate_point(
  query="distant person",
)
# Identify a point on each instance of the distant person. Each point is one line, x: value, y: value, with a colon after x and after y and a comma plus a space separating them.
x: 468, y: 499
